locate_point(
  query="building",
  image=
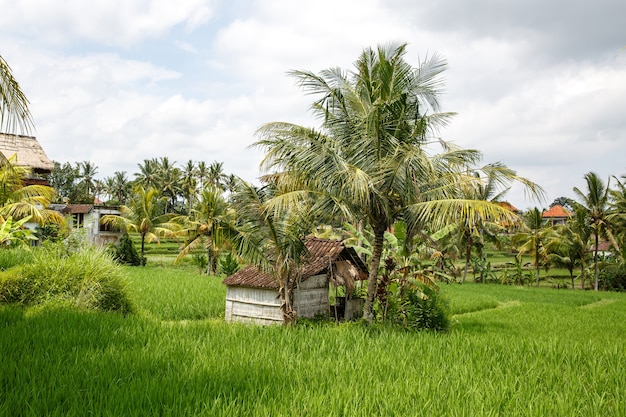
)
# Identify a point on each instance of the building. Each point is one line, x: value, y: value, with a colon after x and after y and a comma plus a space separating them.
x: 88, y: 217
x: 29, y: 154
x: 556, y: 215
x: 252, y: 296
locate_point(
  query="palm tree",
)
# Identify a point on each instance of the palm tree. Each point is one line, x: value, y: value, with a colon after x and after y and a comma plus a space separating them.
x: 209, y: 225
x: 86, y: 175
x: 108, y: 187
x: 271, y: 239
x: 568, y: 247
x: 372, y: 158
x: 189, y: 184
x: 169, y: 179
x: 202, y: 171
x: 596, y: 203
x: 143, y: 216
x: 18, y: 201
x: 148, y: 173
x: 533, y: 240
x: 216, y: 175
x: 121, y: 186
x: 14, y: 113
x: 492, y: 183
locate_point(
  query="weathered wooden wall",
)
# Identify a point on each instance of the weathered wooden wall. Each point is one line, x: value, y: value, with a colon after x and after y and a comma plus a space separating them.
x: 311, y: 297
x: 262, y: 306
x: 254, y: 305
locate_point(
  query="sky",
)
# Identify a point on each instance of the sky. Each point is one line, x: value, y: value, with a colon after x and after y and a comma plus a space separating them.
x: 539, y: 85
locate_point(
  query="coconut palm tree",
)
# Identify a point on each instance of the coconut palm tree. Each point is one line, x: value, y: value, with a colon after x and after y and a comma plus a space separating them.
x: 202, y: 171
x: 189, y: 184
x: 210, y: 225
x: 492, y: 183
x: 377, y: 156
x: 148, y: 173
x: 143, y: 215
x: 169, y: 179
x: 14, y: 114
x: 596, y: 203
x: 568, y: 247
x: 216, y: 176
x: 18, y: 201
x: 271, y: 239
x: 532, y: 241
x: 121, y: 186
x: 86, y: 178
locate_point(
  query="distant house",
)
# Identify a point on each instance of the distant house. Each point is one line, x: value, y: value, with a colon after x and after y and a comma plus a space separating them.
x: 252, y: 296
x: 510, y: 226
x: 556, y: 215
x: 604, y: 249
x: 87, y: 217
x: 29, y: 154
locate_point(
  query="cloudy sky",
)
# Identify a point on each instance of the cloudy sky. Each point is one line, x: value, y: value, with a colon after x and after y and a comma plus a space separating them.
x: 539, y: 85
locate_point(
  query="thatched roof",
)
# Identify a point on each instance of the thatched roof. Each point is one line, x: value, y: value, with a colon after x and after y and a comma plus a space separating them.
x: 322, y: 253
x: 29, y: 152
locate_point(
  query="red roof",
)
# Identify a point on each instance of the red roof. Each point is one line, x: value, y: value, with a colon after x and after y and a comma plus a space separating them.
x: 322, y: 252
x: 557, y: 211
x: 508, y: 206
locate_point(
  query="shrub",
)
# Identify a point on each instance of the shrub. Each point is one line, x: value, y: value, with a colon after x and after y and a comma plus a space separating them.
x: 417, y: 306
x: 200, y: 260
x: 228, y: 264
x: 87, y: 278
x: 126, y: 253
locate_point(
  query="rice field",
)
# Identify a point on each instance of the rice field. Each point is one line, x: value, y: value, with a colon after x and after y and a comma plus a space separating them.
x: 511, y: 352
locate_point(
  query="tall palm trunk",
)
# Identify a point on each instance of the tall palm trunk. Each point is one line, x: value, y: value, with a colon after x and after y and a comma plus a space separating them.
x: 537, y: 268
x: 595, y: 262
x: 582, y: 276
x: 468, y: 255
x: 377, y: 250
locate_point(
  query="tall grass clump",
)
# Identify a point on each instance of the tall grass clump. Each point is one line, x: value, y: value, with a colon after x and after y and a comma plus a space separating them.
x: 11, y: 257
x: 84, y: 276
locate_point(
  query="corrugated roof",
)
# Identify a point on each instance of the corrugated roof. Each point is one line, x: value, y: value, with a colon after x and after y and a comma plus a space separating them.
x: 557, y: 211
x: 322, y: 252
x: 29, y: 152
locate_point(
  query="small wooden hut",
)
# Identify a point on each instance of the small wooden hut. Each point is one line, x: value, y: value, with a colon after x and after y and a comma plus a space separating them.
x: 252, y: 296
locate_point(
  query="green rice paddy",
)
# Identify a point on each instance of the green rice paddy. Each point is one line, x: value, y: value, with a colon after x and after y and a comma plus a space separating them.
x: 511, y: 352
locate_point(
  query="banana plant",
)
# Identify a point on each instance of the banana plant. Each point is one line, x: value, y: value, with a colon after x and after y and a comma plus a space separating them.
x: 13, y: 233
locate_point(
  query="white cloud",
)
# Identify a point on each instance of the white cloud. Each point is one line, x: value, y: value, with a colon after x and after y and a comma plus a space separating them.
x: 104, y: 88
x: 109, y: 22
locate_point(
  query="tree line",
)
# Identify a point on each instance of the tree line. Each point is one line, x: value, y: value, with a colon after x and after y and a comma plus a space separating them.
x: 376, y: 166
x: 78, y: 183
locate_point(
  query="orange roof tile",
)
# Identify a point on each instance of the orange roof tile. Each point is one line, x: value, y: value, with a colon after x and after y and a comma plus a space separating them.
x: 557, y: 211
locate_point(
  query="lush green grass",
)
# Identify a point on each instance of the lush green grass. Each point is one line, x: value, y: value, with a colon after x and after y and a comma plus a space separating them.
x: 511, y: 351
x: 177, y: 293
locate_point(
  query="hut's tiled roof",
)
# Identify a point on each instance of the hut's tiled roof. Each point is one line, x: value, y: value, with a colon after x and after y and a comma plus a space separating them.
x: 557, y: 211
x: 322, y: 253
x: 29, y: 152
